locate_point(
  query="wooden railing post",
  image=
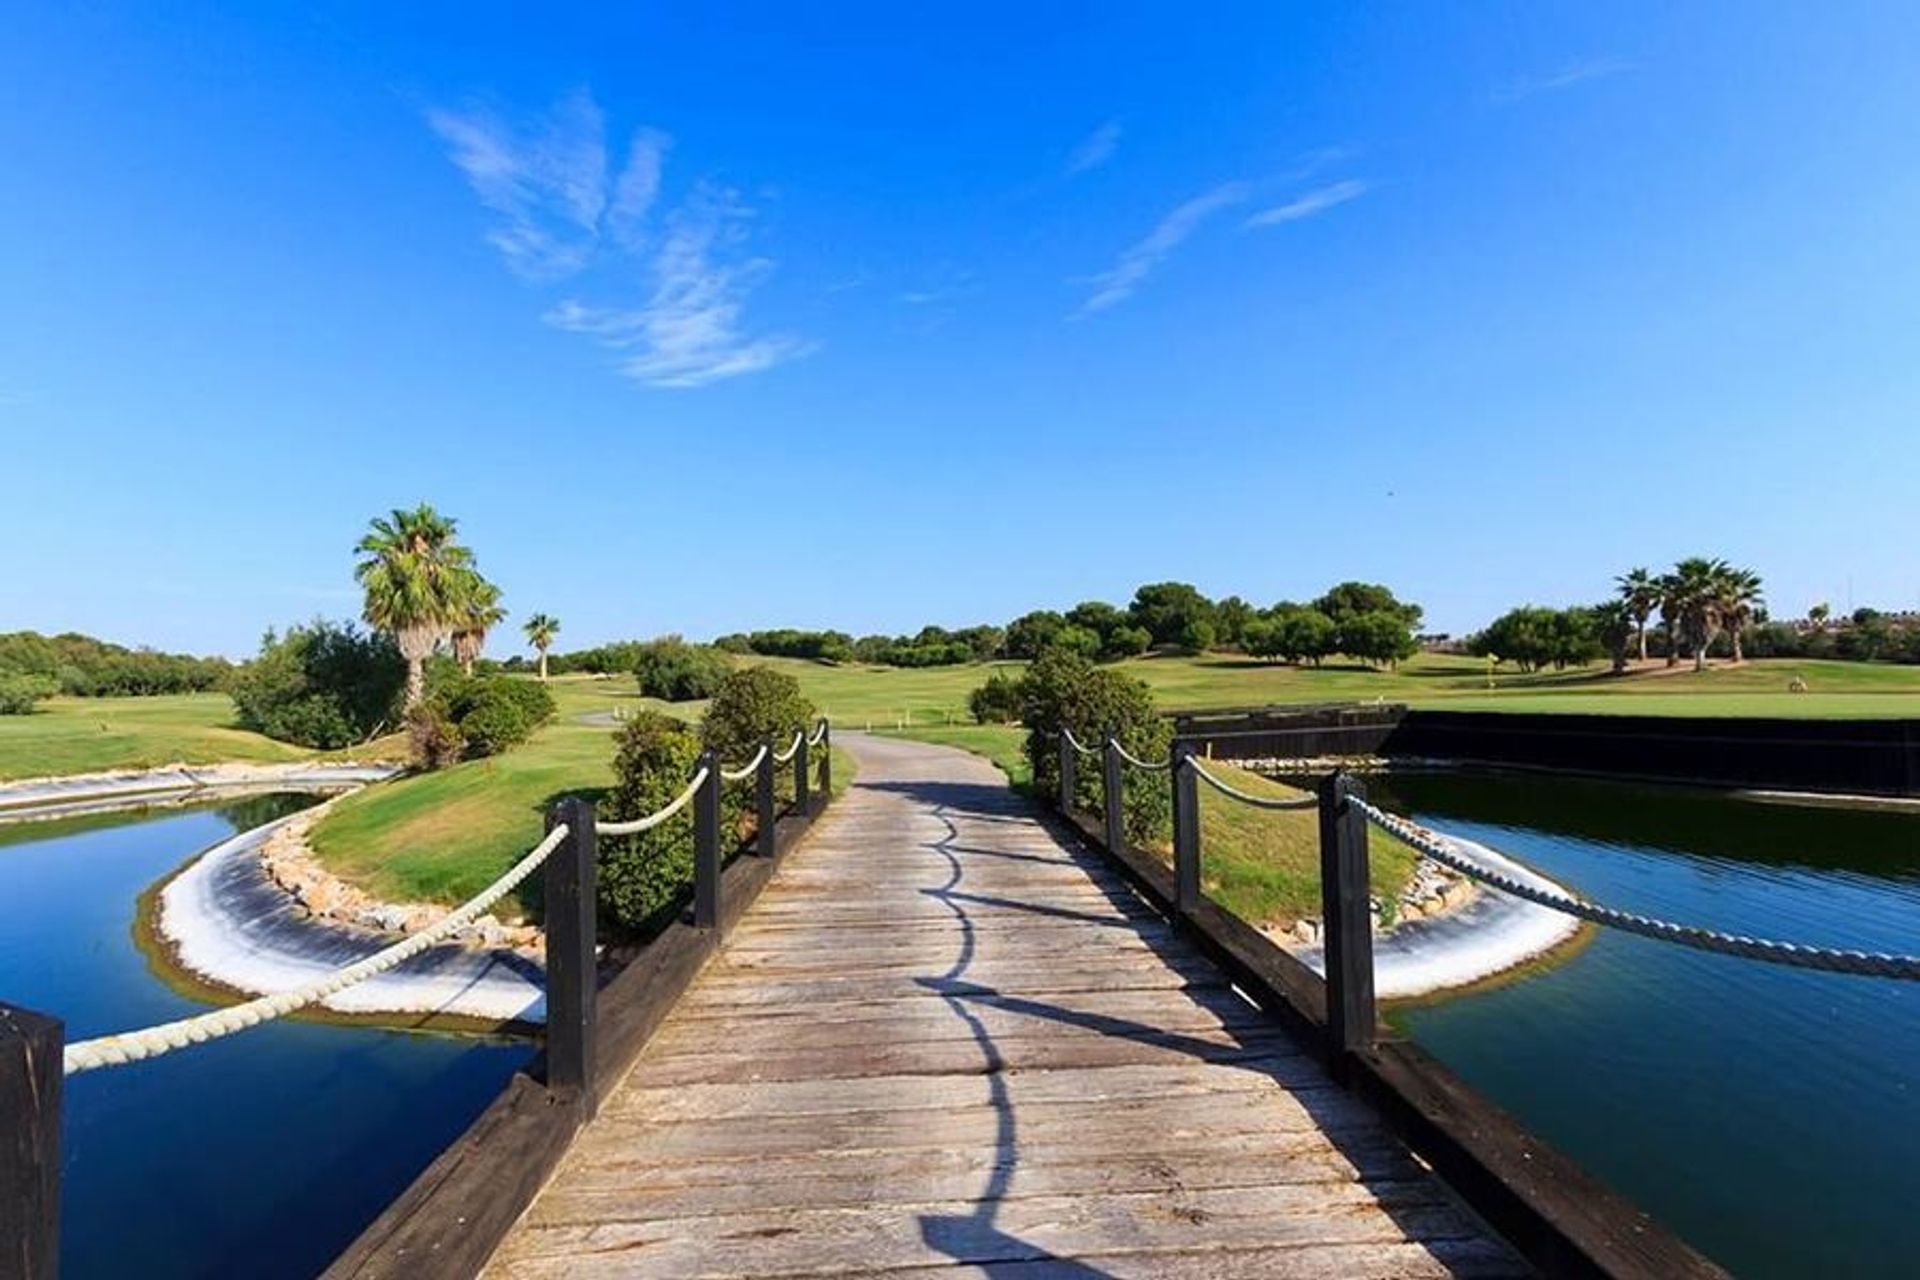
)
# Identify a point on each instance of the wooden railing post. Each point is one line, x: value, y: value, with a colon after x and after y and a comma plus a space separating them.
x: 1186, y: 830
x: 1113, y: 801
x: 31, y: 1075
x: 1346, y: 931
x: 1068, y: 760
x: 572, y: 967
x: 826, y: 761
x: 802, y: 775
x: 766, y: 840
x: 706, y: 846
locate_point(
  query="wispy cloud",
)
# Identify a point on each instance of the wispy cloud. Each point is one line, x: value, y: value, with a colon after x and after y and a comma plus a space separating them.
x: 1306, y: 206
x: 1565, y: 78
x: 1095, y: 149
x: 688, y: 333
x: 561, y: 208
x: 1142, y: 258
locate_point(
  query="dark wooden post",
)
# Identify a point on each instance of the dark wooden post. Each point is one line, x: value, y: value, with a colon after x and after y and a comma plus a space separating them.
x: 1186, y: 830
x: 706, y: 846
x: 826, y: 762
x: 766, y: 840
x: 572, y: 967
x: 1346, y: 931
x: 1113, y: 801
x: 802, y: 775
x: 31, y: 1074
x: 1068, y: 759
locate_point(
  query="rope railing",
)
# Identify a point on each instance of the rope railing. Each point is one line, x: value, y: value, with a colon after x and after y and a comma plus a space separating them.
x: 151, y: 1042
x: 1433, y: 844
x: 658, y: 816
x: 1080, y: 746
x: 1247, y: 797
x: 746, y: 770
x: 1152, y: 766
x: 793, y: 748
x: 818, y: 735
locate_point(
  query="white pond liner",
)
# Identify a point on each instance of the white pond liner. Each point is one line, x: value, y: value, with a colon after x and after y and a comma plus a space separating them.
x: 1492, y: 933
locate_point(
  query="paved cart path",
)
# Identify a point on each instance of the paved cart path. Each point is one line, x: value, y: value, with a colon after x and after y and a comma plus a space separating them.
x: 942, y: 1039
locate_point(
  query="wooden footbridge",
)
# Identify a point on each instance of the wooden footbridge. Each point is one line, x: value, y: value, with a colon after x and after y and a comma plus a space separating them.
x: 936, y: 1028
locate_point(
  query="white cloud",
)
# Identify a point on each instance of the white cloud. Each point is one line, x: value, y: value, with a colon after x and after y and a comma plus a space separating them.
x: 1095, y: 149
x: 689, y: 331
x: 1140, y: 260
x: 559, y: 212
x: 1565, y: 78
x: 1313, y: 202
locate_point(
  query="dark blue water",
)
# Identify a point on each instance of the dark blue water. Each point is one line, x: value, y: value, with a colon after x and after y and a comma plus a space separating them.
x: 260, y: 1155
x: 1770, y: 1116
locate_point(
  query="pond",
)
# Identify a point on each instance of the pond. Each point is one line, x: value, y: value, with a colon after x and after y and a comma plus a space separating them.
x: 1770, y: 1116
x: 262, y: 1154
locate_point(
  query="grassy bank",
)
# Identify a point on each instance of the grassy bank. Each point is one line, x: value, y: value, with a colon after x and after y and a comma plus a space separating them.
x: 94, y: 735
x: 445, y: 836
x: 1262, y: 865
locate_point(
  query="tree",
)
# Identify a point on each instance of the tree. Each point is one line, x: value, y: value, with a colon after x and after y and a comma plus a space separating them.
x: 1668, y: 588
x: 1697, y: 587
x: 1379, y: 637
x: 1306, y: 634
x: 417, y: 581
x: 672, y: 670
x: 1819, y: 614
x: 1640, y: 593
x: 1351, y: 599
x: 1126, y: 642
x: 1616, y: 624
x: 1736, y: 598
x: 1522, y: 636
x: 1198, y: 635
x: 1230, y: 619
x: 482, y: 614
x: 540, y: 630
x: 1031, y: 633
x: 325, y: 685
x: 1167, y: 609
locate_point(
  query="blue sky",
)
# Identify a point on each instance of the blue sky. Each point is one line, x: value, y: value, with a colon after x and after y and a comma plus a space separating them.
x: 704, y: 317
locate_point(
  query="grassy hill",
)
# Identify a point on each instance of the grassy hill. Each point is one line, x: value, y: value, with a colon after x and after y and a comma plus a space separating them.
x: 90, y: 735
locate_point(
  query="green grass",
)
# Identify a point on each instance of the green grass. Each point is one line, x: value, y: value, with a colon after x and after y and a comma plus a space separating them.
x: 444, y: 836
x: 1263, y: 865
x: 91, y: 735
x: 883, y: 698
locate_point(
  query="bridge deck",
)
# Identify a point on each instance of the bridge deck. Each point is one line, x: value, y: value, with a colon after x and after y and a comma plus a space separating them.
x: 942, y: 1039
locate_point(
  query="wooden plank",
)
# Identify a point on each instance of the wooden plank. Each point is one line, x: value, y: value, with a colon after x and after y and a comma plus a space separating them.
x: 946, y: 1038
x: 31, y: 1081
x: 1428, y: 1260
x: 837, y: 1240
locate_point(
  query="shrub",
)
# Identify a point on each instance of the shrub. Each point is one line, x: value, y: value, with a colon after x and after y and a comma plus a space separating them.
x: 1064, y: 690
x: 433, y: 740
x: 324, y: 685
x: 19, y: 693
x: 672, y: 670
x: 493, y: 713
x: 997, y: 701
x: 644, y: 878
x: 751, y: 704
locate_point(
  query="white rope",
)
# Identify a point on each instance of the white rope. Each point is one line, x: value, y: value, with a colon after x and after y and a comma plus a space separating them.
x: 1078, y: 745
x: 1877, y: 964
x: 132, y: 1046
x: 1258, y: 802
x: 746, y: 770
x: 819, y: 732
x: 655, y: 818
x: 1135, y: 760
x: 793, y: 748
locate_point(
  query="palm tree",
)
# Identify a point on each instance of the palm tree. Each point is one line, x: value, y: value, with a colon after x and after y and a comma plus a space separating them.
x: 540, y: 631
x: 1615, y: 623
x: 481, y: 613
x: 1699, y: 585
x: 1667, y: 590
x: 417, y: 579
x: 1640, y: 593
x: 1736, y: 600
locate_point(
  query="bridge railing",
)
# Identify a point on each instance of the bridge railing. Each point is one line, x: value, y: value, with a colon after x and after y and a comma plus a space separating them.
x: 1560, y: 1217
x: 458, y: 1212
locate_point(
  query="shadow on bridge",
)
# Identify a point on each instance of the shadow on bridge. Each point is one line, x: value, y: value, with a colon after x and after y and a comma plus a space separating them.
x: 1253, y: 1043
